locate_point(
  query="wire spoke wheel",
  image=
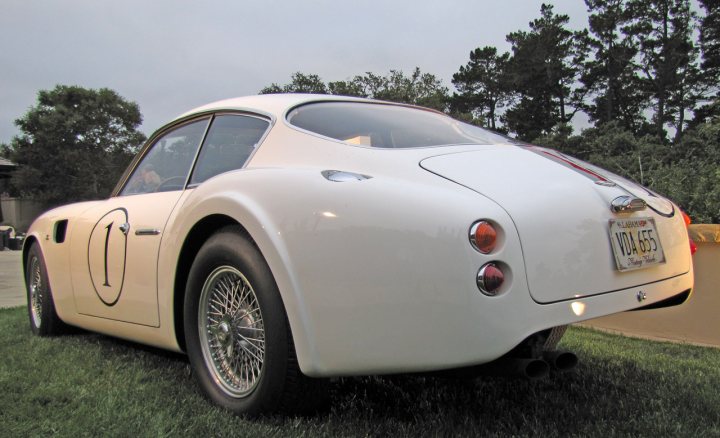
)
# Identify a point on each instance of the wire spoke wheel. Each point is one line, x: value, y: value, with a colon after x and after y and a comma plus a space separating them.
x: 44, y: 320
x: 231, y: 331
x: 36, y: 291
x: 237, y: 333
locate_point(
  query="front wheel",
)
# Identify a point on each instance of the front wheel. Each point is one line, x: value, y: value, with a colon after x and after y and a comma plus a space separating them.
x: 238, y: 338
x: 41, y: 307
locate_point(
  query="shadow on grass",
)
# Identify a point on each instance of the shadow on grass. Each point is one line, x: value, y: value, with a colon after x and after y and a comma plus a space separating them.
x: 621, y: 387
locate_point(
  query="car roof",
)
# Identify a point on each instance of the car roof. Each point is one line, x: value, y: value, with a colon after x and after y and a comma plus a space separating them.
x: 273, y: 104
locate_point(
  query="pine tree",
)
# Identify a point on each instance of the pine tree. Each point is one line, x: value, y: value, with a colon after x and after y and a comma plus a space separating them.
x: 609, y: 77
x: 710, y: 66
x: 667, y: 58
x: 542, y: 72
x: 481, y: 88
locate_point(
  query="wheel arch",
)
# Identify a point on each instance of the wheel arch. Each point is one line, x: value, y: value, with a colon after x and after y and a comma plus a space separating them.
x: 194, y: 240
x: 260, y: 210
x: 29, y: 241
x: 258, y: 236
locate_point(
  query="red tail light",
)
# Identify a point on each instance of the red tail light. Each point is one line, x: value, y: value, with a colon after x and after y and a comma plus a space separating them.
x: 693, y: 247
x: 483, y: 236
x: 490, y: 278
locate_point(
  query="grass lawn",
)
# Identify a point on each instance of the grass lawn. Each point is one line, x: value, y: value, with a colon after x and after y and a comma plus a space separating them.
x: 92, y: 385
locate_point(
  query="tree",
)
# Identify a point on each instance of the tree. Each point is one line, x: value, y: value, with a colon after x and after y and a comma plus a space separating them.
x: 419, y: 88
x: 610, y: 77
x: 542, y: 72
x: 481, y: 87
x: 667, y: 59
x: 346, y: 88
x: 710, y: 34
x: 710, y: 66
x: 74, y: 144
x: 299, y: 83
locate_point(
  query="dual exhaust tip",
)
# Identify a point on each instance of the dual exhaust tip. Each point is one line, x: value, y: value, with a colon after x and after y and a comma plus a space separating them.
x: 532, y: 368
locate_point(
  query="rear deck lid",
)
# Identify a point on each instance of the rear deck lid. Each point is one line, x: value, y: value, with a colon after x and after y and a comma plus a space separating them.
x: 562, y: 211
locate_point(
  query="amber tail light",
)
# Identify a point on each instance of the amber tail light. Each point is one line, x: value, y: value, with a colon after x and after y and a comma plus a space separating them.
x: 688, y: 221
x: 483, y: 236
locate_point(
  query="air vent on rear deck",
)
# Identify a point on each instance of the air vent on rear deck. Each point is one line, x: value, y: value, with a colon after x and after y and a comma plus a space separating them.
x: 60, y: 229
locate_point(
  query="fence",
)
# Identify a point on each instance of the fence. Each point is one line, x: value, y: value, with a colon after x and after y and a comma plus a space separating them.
x: 19, y: 213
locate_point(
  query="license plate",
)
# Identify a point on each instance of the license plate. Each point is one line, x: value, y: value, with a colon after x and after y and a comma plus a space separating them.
x: 635, y: 243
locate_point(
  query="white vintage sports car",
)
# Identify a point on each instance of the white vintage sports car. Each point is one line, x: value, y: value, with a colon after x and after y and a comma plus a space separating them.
x: 282, y: 239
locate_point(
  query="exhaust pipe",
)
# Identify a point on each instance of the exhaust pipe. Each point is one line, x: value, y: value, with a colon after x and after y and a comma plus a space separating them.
x: 530, y: 368
x: 560, y: 360
x: 520, y: 367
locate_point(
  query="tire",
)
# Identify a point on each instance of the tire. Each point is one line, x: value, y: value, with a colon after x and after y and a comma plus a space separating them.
x: 44, y: 320
x: 237, y: 335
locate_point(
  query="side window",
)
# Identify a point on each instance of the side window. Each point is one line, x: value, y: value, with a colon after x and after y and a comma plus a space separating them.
x: 229, y: 143
x: 166, y: 165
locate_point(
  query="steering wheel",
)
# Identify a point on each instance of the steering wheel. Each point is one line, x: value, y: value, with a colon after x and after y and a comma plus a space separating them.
x: 170, y: 184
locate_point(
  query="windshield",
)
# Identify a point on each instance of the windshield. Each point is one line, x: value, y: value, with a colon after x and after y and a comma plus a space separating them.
x: 387, y: 126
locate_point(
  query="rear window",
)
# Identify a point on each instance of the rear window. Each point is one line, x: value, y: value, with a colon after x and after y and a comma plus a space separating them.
x: 387, y: 126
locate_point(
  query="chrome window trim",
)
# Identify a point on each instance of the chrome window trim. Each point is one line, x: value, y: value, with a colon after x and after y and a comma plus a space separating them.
x: 260, y: 141
x: 197, y: 152
x: 152, y: 141
x: 209, y: 114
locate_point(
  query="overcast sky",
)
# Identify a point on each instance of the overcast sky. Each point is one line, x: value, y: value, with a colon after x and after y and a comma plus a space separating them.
x: 171, y: 56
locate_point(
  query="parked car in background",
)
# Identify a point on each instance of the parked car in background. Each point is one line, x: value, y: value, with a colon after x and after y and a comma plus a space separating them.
x: 280, y: 240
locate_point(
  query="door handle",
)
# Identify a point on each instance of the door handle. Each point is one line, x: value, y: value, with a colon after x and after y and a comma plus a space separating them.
x: 124, y: 228
x: 147, y: 232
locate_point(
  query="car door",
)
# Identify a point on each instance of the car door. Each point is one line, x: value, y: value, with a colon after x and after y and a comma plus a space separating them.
x: 115, y: 245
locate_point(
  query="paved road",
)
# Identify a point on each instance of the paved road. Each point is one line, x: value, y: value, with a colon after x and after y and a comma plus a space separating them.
x: 12, y: 286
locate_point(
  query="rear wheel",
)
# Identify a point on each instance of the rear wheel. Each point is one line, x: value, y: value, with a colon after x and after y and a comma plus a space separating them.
x: 238, y: 338
x: 41, y: 308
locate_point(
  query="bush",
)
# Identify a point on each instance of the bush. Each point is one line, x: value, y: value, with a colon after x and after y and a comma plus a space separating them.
x: 687, y: 172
